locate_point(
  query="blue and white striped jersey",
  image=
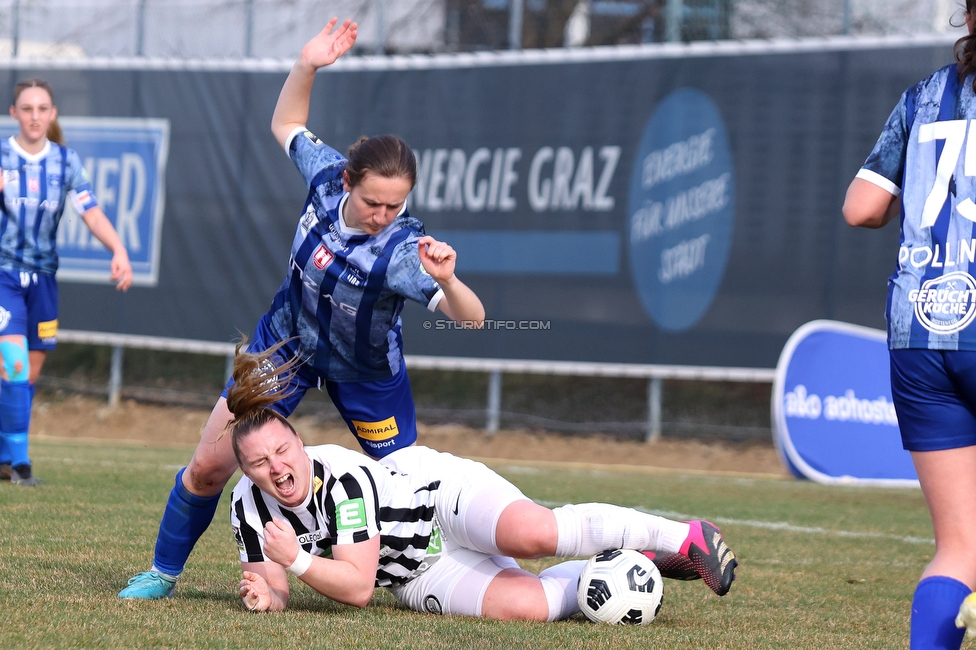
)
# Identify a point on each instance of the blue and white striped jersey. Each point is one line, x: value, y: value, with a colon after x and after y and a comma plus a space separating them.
x: 352, y: 498
x: 927, y: 155
x: 35, y: 189
x: 345, y: 289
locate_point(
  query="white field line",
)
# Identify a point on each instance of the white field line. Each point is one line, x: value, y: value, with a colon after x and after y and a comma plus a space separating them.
x: 681, y: 516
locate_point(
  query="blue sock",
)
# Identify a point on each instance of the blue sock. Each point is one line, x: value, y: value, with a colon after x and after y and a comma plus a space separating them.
x: 186, y: 517
x: 5, y: 456
x: 934, y: 608
x: 15, y: 406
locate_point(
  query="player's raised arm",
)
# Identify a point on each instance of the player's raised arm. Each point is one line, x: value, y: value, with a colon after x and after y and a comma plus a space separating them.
x: 291, y: 111
x: 460, y: 303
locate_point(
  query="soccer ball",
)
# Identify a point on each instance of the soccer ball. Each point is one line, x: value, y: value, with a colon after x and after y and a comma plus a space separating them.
x: 620, y: 587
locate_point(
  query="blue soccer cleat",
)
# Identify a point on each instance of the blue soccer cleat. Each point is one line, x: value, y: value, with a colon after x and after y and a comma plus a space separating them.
x: 148, y: 585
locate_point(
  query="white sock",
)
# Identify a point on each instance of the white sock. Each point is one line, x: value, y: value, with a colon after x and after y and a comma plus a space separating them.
x: 588, y: 528
x: 164, y: 574
x: 560, y: 584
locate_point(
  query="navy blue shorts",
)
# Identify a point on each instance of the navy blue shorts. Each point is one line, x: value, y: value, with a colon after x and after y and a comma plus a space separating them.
x: 29, y: 307
x: 380, y: 414
x: 934, y: 392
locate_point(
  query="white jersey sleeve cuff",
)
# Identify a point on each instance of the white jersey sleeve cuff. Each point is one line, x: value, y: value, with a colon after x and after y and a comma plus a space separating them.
x: 879, y: 180
x: 436, y: 300
x: 291, y: 136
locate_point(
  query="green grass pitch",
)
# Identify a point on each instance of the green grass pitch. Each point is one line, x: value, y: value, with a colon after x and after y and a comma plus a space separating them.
x: 820, y: 567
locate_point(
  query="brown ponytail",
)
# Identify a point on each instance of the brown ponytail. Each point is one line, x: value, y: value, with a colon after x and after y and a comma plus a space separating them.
x: 965, y: 48
x: 54, y: 133
x: 260, y: 380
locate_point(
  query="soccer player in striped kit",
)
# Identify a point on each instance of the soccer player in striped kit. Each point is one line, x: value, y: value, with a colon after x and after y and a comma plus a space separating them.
x: 356, y: 257
x: 923, y: 168
x: 40, y: 175
x: 440, y: 532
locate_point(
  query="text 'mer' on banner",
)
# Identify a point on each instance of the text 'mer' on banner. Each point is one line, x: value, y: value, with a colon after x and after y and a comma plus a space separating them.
x: 832, y: 414
x: 125, y: 159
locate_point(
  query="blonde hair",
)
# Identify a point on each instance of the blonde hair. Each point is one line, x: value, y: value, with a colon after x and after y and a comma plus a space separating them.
x: 261, y: 379
x: 54, y: 133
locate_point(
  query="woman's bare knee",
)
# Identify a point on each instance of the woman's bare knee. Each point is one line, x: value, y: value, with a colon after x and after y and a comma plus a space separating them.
x: 526, y: 530
x: 515, y: 595
x: 213, y: 462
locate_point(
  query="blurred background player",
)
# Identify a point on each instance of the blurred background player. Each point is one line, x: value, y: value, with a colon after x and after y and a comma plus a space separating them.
x: 356, y: 257
x: 926, y: 156
x: 439, y: 531
x: 39, y: 176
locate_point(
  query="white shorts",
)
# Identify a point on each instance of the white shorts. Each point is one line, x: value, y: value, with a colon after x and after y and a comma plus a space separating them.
x: 454, y: 584
x: 469, y: 501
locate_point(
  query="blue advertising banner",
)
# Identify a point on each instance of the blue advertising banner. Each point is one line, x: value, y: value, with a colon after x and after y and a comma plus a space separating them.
x: 126, y: 161
x: 665, y: 205
x: 833, y: 418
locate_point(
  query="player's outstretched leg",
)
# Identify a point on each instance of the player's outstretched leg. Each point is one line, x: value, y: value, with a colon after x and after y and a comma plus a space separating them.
x: 186, y: 518
x: 710, y: 556
x: 188, y: 514
x: 588, y: 528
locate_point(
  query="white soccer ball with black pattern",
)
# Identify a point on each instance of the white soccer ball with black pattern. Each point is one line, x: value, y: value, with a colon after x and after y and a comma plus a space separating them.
x: 620, y: 588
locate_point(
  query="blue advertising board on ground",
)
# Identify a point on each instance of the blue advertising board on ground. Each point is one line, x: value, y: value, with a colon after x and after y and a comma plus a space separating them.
x: 126, y: 161
x: 833, y: 418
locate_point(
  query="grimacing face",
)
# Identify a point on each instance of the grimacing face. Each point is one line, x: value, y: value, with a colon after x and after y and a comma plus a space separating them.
x: 274, y: 458
x: 34, y: 111
x: 375, y: 201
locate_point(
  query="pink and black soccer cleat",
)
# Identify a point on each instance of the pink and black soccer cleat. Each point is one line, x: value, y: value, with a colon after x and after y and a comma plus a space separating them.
x: 710, y: 556
x: 673, y: 565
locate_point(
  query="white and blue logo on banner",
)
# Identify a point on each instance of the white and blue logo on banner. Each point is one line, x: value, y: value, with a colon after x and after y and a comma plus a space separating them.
x: 126, y: 161
x: 682, y: 209
x: 833, y: 418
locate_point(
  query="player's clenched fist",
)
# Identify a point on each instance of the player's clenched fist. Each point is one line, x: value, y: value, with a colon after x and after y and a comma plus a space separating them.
x: 281, y: 543
x: 437, y: 257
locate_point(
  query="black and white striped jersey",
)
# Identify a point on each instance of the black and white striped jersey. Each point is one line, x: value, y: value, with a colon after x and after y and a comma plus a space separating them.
x: 352, y: 498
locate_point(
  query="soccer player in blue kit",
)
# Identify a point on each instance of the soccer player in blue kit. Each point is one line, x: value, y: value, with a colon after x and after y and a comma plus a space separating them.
x: 357, y: 255
x: 923, y: 167
x: 40, y: 175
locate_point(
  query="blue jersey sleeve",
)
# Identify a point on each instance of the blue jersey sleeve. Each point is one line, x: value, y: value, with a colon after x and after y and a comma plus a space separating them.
x: 407, y: 277
x: 78, y: 184
x: 320, y: 164
x: 885, y: 166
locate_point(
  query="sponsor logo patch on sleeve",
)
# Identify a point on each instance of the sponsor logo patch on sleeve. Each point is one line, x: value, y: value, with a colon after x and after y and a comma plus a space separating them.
x: 47, y: 329
x: 382, y: 430
x: 351, y: 515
